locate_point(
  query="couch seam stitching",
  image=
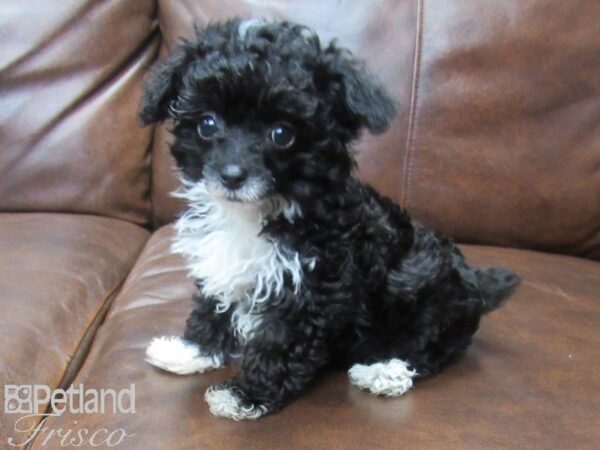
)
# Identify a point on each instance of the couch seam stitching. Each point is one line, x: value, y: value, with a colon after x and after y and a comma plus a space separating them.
x: 412, y: 118
x: 150, y: 150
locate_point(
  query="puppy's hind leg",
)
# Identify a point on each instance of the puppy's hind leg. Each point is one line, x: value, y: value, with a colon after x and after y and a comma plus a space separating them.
x: 390, y: 378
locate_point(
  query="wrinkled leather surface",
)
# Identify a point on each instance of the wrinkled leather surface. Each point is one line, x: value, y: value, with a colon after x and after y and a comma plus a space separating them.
x: 505, y: 142
x: 529, y: 380
x: 70, y: 82
x: 56, y: 273
x: 497, y: 138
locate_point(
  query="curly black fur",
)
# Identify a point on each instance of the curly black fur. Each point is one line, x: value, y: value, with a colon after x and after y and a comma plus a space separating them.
x: 382, y: 287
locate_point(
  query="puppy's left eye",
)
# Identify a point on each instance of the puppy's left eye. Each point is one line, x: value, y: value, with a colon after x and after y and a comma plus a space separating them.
x: 282, y: 135
x: 207, y: 126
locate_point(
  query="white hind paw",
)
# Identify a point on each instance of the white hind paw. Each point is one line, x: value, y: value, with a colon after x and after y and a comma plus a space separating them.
x: 390, y: 378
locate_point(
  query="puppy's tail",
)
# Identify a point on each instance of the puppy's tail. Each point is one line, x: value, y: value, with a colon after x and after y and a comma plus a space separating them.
x: 496, y: 285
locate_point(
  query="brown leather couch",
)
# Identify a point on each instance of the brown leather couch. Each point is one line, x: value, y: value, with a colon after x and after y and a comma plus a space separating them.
x: 497, y: 143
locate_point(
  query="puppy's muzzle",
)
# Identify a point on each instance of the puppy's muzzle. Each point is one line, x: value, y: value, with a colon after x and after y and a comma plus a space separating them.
x: 233, y: 176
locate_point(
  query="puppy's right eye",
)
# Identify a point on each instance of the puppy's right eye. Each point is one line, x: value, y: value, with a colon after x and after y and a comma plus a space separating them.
x: 207, y: 126
x: 282, y: 135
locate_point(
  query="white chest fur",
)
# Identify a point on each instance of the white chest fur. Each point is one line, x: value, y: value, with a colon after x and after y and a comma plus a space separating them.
x: 237, y: 266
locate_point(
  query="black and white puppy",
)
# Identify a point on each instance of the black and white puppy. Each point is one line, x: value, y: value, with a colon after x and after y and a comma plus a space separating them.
x: 299, y: 264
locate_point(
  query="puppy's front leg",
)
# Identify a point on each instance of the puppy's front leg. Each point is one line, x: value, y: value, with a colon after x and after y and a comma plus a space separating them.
x: 205, y: 343
x: 278, y: 362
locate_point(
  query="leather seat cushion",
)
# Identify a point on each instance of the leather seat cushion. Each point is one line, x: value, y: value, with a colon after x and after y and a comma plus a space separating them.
x: 58, y: 273
x: 530, y: 375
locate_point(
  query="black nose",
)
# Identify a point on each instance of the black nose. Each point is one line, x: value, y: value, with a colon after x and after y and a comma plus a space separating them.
x: 233, y: 176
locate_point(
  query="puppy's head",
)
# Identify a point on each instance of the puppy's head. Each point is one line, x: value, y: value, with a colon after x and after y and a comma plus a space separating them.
x: 260, y: 108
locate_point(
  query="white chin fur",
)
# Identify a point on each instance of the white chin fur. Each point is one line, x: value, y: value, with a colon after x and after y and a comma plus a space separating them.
x: 390, y: 378
x: 253, y: 191
x: 224, y: 403
x: 179, y: 356
x: 237, y: 266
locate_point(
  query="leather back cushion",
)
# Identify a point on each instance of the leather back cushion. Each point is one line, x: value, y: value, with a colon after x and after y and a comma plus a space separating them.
x: 497, y: 140
x: 70, y: 79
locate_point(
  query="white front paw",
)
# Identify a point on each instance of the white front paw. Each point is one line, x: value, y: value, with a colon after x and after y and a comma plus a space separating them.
x: 223, y: 402
x: 175, y: 354
x: 390, y: 378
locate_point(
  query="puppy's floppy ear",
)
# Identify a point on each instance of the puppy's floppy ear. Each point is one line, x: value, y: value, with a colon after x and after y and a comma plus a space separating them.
x: 365, y: 101
x: 161, y: 88
x: 368, y: 100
